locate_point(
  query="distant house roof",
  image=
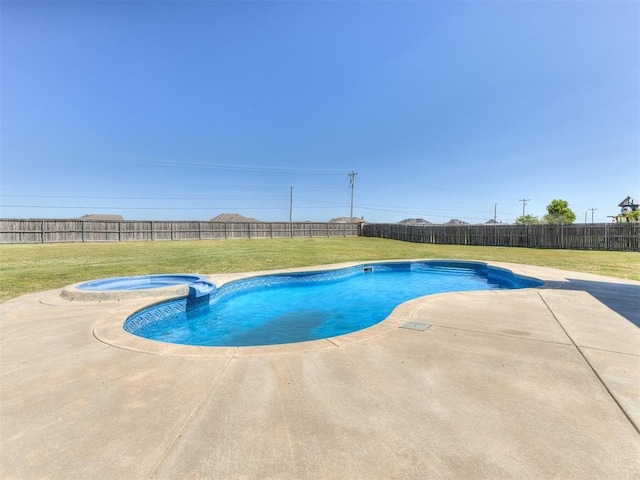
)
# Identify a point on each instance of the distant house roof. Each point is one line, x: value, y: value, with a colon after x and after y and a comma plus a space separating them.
x: 346, y: 220
x: 455, y: 221
x: 233, y: 217
x: 92, y: 216
x: 628, y: 202
x: 415, y: 221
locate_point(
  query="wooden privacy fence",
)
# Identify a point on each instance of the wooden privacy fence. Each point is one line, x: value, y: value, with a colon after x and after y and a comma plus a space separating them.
x: 55, y: 231
x: 601, y: 236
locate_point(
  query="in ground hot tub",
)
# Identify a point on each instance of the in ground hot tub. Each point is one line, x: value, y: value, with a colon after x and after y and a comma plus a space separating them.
x: 162, y: 285
x: 139, y: 282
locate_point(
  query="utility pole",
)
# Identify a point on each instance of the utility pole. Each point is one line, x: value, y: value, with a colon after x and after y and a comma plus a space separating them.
x: 495, y: 223
x: 290, y: 204
x: 592, y: 210
x: 352, y: 182
x: 524, y: 204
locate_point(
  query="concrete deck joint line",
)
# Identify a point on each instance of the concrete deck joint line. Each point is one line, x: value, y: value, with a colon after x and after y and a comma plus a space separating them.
x: 622, y: 409
x: 513, y: 336
x: 608, y: 351
x: 194, y: 413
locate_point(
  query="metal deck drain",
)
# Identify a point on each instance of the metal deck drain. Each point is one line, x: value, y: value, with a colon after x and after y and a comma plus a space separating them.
x: 415, y: 326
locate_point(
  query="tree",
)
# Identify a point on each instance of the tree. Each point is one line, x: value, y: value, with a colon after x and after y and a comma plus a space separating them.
x: 633, y: 216
x: 527, y: 219
x: 558, y: 211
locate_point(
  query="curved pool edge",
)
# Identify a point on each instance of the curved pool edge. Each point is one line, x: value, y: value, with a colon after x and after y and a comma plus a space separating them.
x: 519, y: 270
x: 181, y: 286
x: 73, y: 293
x: 109, y: 329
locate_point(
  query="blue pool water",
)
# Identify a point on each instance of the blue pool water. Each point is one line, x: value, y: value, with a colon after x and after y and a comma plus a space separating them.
x: 308, y: 306
x: 139, y: 282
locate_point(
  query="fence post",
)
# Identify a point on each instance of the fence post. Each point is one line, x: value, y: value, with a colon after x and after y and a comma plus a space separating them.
x: 83, y: 222
x: 42, y: 231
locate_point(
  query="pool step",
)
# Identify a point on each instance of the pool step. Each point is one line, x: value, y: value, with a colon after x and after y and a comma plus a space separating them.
x: 200, y: 289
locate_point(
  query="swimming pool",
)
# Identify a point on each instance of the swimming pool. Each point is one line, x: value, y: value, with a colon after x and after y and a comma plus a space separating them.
x: 296, y: 307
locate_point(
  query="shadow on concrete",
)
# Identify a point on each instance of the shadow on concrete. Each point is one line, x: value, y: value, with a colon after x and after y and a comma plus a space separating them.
x: 623, y: 299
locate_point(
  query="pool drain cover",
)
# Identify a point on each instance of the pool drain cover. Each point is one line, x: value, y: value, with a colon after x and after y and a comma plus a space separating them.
x: 415, y: 326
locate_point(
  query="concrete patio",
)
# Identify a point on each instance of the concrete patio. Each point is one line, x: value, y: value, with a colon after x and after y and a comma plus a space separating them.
x: 533, y: 383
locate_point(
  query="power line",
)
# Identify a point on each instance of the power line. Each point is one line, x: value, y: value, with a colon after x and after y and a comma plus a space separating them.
x: 253, y: 168
x: 430, y: 211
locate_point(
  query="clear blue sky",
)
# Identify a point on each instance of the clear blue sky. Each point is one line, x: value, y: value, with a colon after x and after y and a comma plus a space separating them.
x: 187, y: 109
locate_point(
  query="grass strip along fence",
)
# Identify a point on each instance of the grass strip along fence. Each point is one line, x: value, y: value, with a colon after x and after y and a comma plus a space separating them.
x: 623, y: 237
x: 34, y: 267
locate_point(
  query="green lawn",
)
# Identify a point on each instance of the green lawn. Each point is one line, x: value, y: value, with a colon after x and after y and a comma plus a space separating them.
x: 31, y: 268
